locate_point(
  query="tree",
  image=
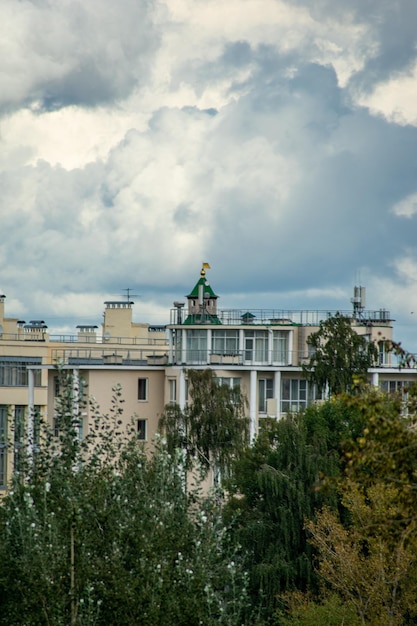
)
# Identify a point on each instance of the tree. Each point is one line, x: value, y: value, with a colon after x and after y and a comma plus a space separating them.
x: 212, y: 428
x: 276, y: 485
x: 306, y: 610
x: 100, y: 532
x: 368, y: 557
x: 340, y: 356
x: 374, y: 572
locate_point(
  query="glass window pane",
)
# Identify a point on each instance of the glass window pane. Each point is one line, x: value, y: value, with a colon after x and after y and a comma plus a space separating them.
x: 142, y: 388
x: 294, y: 389
x: 141, y: 428
x: 285, y: 392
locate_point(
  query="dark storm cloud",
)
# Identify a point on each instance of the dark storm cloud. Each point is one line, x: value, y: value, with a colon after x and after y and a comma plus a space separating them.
x: 391, y: 34
x: 394, y: 24
x: 354, y: 169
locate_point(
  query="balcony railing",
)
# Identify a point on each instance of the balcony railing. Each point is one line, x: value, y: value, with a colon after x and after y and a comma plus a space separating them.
x: 269, y: 358
x: 150, y: 340
x: 238, y: 357
x: 108, y: 356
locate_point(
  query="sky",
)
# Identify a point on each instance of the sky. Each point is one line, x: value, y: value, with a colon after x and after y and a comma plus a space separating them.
x: 275, y: 140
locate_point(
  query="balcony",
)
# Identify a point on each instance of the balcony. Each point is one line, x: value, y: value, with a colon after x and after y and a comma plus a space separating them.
x: 239, y: 357
x: 114, y: 357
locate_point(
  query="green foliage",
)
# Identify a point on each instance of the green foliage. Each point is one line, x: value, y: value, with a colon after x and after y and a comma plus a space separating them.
x: 386, y: 450
x: 98, y: 532
x: 304, y: 610
x: 340, y: 356
x: 372, y: 570
x: 368, y: 557
x: 212, y: 428
x: 277, y: 483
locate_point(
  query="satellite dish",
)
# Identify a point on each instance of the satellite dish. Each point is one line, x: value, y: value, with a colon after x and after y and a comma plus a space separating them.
x: 106, y: 336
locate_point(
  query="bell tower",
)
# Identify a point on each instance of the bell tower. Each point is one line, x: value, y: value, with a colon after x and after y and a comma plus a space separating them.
x: 202, y: 301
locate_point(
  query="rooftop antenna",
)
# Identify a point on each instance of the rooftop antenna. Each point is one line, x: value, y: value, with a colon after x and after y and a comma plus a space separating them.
x: 358, y: 301
x: 129, y: 294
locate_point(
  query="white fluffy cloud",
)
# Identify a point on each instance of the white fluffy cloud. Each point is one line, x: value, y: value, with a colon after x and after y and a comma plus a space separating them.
x: 274, y: 139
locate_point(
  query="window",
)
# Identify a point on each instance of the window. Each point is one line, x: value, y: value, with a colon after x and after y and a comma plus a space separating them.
x: 15, y: 373
x: 82, y: 389
x: 383, y: 353
x: 265, y: 391
x: 142, y: 389
x: 141, y: 428
x: 197, y: 346
x: 225, y: 342
x: 256, y: 346
x: 280, y: 347
x: 393, y: 387
x: 233, y: 383
x: 177, y: 339
x: 3, y: 445
x: 172, y: 382
x: 296, y: 394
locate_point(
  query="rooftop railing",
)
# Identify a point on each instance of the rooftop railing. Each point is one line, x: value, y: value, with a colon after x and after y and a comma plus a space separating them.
x: 274, y: 317
x: 150, y: 340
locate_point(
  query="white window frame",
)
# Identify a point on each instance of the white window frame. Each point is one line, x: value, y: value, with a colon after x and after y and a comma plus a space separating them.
x: 280, y: 346
x: 256, y: 346
x: 225, y: 342
x: 265, y: 392
x: 196, y: 345
x: 296, y: 394
x: 172, y: 384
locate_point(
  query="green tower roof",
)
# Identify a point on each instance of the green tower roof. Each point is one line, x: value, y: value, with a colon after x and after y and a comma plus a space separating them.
x: 206, y: 287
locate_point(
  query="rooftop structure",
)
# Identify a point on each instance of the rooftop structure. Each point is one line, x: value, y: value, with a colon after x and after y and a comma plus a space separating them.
x: 260, y: 350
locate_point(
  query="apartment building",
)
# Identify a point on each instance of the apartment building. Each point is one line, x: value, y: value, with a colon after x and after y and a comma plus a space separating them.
x: 118, y: 352
x: 259, y: 350
x: 263, y: 350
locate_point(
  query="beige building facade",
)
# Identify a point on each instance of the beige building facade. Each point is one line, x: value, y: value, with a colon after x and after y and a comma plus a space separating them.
x: 260, y: 351
x: 119, y: 353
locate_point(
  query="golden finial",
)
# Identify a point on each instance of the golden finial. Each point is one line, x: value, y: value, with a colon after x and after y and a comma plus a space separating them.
x: 206, y: 266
